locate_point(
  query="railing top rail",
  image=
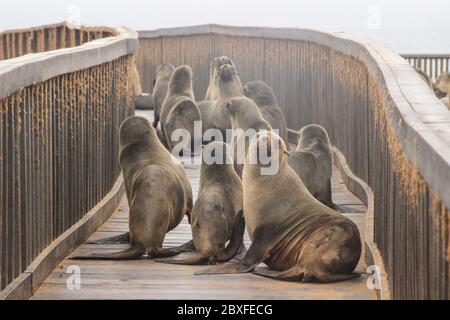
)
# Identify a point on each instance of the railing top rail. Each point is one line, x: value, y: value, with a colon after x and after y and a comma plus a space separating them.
x: 32, y: 68
x: 421, y: 121
x: 426, y: 55
x: 62, y: 24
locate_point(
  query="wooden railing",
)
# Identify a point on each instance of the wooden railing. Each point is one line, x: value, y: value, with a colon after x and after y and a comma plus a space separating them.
x: 393, y: 131
x: 432, y: 64
x: 15, y: 43
x: 59, y: 117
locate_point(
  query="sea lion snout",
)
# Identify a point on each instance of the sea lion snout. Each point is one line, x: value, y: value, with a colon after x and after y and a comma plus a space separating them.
x: 226, y: 72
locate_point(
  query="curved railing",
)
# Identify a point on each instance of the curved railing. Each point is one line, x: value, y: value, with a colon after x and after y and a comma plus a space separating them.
x: 59, y: 116
x: 432, y: 64
x: 393, y: 131
x: 18, y: 42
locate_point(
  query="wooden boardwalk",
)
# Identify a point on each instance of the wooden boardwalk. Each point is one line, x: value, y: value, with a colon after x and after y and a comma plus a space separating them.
x: 145, y: 279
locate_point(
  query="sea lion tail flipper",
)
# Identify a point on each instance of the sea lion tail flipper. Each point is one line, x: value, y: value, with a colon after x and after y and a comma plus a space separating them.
x: 119, y: 239
x: 236, y: 239
x: 297, y: 273
x: 187, y: 247
x: 327, y: 277
x: 198, y: 259
x: 293, y: 274
x: 132, y: 253
x: 156, y: 121
x: 170, y: 252
x: 257, y: 253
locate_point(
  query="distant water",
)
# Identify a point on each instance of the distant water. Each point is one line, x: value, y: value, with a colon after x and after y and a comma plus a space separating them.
x: 408, y: 26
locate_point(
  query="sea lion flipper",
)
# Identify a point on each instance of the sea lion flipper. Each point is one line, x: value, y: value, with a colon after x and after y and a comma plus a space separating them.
x: 236, y: 239
x: 297, y: 273
x: 132, y: 253
x: 119, y: 239
x: 170, y: 252
x: 257, y: 253
x: 198, y: 259
x: 292, y: 274
x: 327, y: 277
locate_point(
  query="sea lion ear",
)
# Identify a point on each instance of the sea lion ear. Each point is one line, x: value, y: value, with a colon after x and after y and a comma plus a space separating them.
x: 154, y: 82
x: 244, y: 89
x: 229, y: 106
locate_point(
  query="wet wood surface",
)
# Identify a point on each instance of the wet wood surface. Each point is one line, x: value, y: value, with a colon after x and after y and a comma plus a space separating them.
x: 145, y: 279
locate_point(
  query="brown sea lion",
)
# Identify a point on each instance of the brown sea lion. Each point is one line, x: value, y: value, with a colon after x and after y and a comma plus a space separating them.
x: 212, y: 93
x: 439, y: 93
x: 246, y: 121
x: 179, y: 110
x: 160, y: 88
x: 443, y: 82
x: 312, y: 161
x: 229, y: 85
x: 217, y: 213
x: 264, y: 97
x: 294, y: 234
x: 158, y: 191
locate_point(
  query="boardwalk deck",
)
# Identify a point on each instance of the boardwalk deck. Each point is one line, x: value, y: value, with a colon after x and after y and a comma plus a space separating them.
x: 144, y: 279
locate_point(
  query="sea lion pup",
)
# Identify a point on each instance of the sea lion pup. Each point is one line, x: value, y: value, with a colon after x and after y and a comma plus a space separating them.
x: 217, y: 214
x: 179, y: 110
x: 246, y: 121
x: 212, y: 93
x: 229, y: 85
x: 294, y: 234
x: 161, y: 85
x: 157, y: 189
x: 312, y: 161
x: 264, y: 97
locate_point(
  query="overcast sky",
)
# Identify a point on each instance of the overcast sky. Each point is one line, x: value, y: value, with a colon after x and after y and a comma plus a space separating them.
x: 408, y: 26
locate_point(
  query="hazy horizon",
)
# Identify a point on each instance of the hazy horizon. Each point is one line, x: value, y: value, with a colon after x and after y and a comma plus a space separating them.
x: 407, y: 26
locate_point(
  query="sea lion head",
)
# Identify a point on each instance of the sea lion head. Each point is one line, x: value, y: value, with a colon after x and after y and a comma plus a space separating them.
x: 219, y: 61
x: 165, y: 70
x: 216, y: 153
x: 260, y: 92
x: 210, y: 229
x: 267, y: 149
x: 136, y: 130
x: 311, y: 135
x: 439, y: 92
x: 181, y: 79
x: 227, y: 72
x: 244, y: 113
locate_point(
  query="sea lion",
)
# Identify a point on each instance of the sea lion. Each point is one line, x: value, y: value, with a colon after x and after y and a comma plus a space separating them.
x: 264, y: 97
x: 443, y: 82
x: 229, y: 86
x: 217, y: 213
x: 179, y: 110
x: 246, y: 122
x: 438, y: 92
x: 312, y: 161
x: 157, y: 188
x: 160, y: 88
x: 295, y: 235
x: 212, y: 93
